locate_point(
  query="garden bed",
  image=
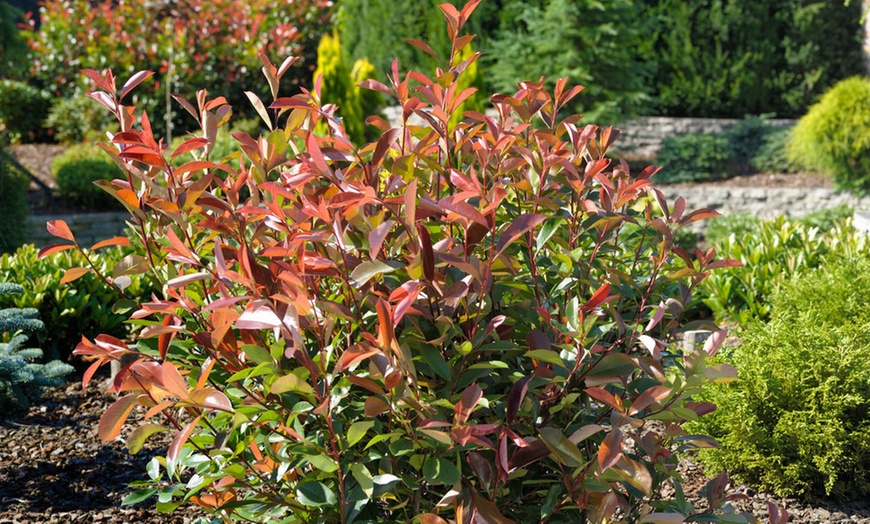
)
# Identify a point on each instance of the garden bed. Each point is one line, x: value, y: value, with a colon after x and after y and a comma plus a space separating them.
x: 54, y: 469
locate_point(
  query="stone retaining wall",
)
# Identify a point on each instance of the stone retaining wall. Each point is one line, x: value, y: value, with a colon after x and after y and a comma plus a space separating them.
x: 88, y: 228
x: 642, y: 137
x: 762, y: 202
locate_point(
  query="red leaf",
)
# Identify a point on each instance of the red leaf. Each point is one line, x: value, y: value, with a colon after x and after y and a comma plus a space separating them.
x: 74, y: 273
x: 53, y: 248
x: 597, y: 298
x: 164, y: 339
x: 181, y: 438
x: 190, y: 145
x: 610, y: 450
x: 467, y: 401
x: 374, y: 85
x: 515, y: 398
x: 173, y: 382
x: 648, y: 398
x: 114, y: 241
x: 113, y: 419
x: 605, y: 397
x: 520, y: 225
x: 134, y: 80
x: 59, y: 229
x: 422, y: 46
x: 354, y: 354
x: 385, y: 324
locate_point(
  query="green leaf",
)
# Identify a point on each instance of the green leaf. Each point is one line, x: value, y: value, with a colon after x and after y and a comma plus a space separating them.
x: 315, y: 494
x: 358, y: 430
x: 138, y: 437
x: 546, y: 355
x: 368, y: 270
x: 291, y: 382
x: 435, y: 360
x: 431, y: 469
x: 547, y: 231
x: 563, y: 449
x: 138, y: 496
x: 449, y: 474
x: 322, y: 462
x: 364, y: 478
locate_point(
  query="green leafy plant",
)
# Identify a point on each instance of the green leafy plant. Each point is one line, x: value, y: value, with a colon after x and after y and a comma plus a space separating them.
x: 21, y: 379
x: 13, y: 202
x: 71, y: 309
x: 587, y: 41
x: 772, y: 154
x: 471, y: 320
x: 78, y: 169
x: 771, y: 252
x: 76, y: 119
x: 796, y: 423
x: 834, y: 136
x: 23, y: 108
x: 695, y: 157
x: 13, y: 46
x: 730, y: 58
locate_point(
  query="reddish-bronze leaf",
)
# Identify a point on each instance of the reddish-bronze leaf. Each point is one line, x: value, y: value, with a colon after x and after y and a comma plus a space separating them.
x: 605, y: 397
x: 516, y: 397
x: 74, y: 273
x: 648, y: 398
x: 59, y: 229
x: 113, y: 419
x: 114, y: 241
x: 467, y: 402
x: 181, y: 438
x: 54, y: 248
x: 610, y: 450
x: 520, y: 225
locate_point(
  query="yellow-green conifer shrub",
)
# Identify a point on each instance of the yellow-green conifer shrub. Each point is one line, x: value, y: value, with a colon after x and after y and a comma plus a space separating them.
x: 834, y: 136
x: 370, y: 102
x: 337, y: 87
x: 473, y: 78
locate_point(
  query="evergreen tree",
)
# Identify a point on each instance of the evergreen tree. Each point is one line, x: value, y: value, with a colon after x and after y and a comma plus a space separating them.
x: 21, y: 379
x: 591, y: 42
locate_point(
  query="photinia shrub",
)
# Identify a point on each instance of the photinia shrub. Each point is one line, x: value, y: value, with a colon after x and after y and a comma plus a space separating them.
x: 470, y: 323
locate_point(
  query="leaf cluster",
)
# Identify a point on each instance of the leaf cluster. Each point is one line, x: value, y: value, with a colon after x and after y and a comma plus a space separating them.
x: 86, y: 307
x: 21, y: 379
x: 471, y: 322
x: 771, y: 252
x: 796, y: 423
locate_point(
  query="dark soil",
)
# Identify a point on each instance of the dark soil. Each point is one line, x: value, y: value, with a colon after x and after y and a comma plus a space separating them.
x: 54, y: 469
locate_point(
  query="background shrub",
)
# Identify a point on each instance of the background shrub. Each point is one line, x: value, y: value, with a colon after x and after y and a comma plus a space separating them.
x: 23, y: 109
x: 772, y: 252
x: 211, y: 44
x: 797, y: 423
x: 695, y: 157
x: 13, y: 202
x: 587, y: 41
x: 13, y: 46
x: 76, y: 119
x: 76, y: 170
x: 21, y: 379
x: 84, y: 307
x: 730, y: 58
x: 834, y: 136
x: 772, y: 154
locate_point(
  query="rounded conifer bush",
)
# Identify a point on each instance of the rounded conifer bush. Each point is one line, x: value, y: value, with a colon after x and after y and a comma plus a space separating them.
x: 797, y: 423
x: 834, y: 136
